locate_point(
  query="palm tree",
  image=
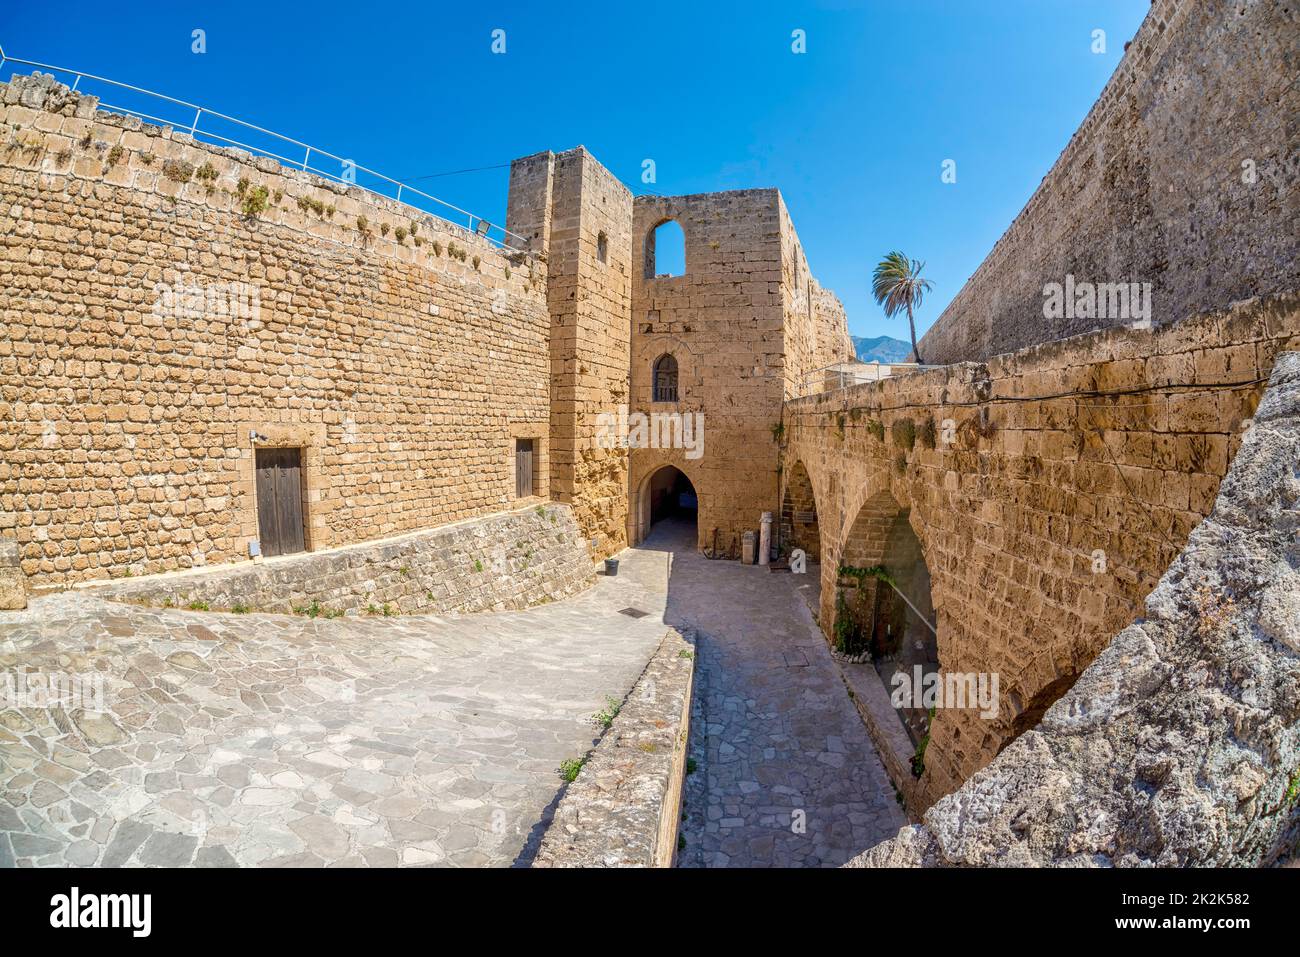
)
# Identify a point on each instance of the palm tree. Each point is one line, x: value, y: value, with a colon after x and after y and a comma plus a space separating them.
x: 897, y: 285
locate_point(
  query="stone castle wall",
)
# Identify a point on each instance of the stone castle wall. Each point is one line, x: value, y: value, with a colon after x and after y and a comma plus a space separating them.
x: 170, y: 305
x: 745, y: 321
x: 404, y: 364
x: 576, y: 215
x: 1152, y: 187
x: 1021, y: 473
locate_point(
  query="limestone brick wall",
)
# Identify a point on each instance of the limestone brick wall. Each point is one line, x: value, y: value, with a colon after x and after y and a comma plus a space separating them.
x: 403, y: 355
x: 578, y: 216
x: 722, y: 321
x: 1056, y: 487
x: 501, y: 561
x: 1183, y: 175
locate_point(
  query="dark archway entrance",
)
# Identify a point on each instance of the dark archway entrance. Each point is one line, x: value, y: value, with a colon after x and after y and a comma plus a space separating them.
x: 670, y: 494
x: 884, y: 606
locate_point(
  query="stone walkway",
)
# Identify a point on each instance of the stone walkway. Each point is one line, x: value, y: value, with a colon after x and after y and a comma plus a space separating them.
x: 785, y: 773
x: 276, y: 740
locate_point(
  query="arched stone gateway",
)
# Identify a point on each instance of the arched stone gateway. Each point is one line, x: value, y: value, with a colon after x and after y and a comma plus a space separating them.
x: 883, y: 609
x: 664, y: 491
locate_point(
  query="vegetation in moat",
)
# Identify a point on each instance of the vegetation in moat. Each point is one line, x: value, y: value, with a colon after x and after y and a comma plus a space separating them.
x: 918, y: 757
x: 849, y: 637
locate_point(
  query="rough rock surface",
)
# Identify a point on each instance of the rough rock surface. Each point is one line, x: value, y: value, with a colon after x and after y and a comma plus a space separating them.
x: 1180, y: 745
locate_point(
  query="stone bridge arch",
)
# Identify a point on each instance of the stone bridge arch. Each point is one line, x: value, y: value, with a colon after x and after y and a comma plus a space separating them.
x: 881, y: 608
x: 800, y: 523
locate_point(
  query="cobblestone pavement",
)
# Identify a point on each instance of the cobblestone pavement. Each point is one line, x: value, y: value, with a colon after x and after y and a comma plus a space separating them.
x: 278, y: 740
x: 786, y: 775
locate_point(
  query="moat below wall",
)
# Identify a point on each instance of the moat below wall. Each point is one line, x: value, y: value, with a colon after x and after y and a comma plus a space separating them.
x: 508, y: 561
x: 1048, y: 491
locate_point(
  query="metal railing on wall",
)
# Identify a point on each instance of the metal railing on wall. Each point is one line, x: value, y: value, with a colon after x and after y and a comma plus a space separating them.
x: 843, y: 375
x: 200, y: 126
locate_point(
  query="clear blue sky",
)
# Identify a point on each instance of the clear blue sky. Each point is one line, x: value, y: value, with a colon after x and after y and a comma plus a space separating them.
x: 854, y: 131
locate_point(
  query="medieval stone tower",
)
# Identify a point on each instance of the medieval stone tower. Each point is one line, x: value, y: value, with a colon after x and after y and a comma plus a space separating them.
x: 727, y: 342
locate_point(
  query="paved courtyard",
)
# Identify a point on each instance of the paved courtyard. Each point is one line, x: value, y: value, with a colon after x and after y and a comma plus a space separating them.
x: 277, y: 740
x: 785, y: 773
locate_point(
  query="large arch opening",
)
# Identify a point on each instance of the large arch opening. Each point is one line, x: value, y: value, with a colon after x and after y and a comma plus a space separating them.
x: 667, y: 504
x: 884, y: 608
x: 799, y: 527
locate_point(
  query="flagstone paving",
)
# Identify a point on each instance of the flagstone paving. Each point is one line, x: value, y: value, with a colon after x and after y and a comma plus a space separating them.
x: 278, y: 740
x: 785, y: 772
x: 270, y: 740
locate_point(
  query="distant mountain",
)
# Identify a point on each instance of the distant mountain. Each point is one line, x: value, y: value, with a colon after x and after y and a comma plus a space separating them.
x: 881, y: 349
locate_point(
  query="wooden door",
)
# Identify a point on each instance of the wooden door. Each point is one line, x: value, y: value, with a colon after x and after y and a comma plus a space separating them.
x: 523, y: 468
x: 279, y: 501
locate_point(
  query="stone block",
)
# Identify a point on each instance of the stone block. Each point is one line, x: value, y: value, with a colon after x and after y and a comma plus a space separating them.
x: 13, y: 583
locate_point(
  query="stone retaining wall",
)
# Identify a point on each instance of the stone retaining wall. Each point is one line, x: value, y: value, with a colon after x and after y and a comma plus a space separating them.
x: 1180, y: 744
x: 624, y: 807
x: 504, y: 561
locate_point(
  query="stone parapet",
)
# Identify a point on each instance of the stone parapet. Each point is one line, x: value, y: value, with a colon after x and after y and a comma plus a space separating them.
x: 624, y: 808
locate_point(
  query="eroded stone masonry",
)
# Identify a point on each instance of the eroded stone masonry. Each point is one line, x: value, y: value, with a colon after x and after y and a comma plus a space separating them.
x: 160, y: 331
x: 211, y: 361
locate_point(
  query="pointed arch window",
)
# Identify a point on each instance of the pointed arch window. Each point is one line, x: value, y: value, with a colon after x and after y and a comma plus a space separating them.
x: 665, y: 379
x: 665, y: 251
